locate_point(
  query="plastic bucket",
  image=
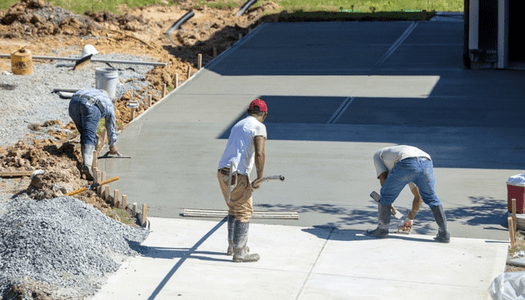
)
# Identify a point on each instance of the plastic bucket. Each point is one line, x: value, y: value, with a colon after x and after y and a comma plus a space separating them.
x: 106, y: 79
x: 516, y: 190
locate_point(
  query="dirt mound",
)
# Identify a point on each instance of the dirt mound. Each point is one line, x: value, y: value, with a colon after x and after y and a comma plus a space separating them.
x: 59, y: 159
x: 37, y: 18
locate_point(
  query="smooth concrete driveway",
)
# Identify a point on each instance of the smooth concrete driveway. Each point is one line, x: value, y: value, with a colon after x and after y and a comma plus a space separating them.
x: 337, y: 92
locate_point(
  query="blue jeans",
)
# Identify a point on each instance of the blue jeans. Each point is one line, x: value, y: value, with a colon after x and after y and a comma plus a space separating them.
x: 86, y: 119
x: 418, y: 170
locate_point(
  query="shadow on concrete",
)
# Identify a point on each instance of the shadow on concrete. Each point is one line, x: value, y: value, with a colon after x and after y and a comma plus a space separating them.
x: 482, y: 211
x: 458, y: 132
x: 224, y: 38
x: 171, y: 253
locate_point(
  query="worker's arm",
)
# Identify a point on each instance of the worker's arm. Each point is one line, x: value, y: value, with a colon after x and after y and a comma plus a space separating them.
x: 259, y: 142
x: 382, y: 177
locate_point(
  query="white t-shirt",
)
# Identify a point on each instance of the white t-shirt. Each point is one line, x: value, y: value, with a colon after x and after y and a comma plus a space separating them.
x: 240, y: 150
x: 385, y: 159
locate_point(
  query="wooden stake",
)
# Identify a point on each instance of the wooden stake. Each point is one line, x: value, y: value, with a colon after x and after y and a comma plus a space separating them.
x: 240, y: 36
x: 163, y: 90
x: 124, y: 202
x: 100, y: 189
x: 423, y: 15
x: 134, y: 209
x: 515, y: 222
x: 214, y: 52
x: 144, y: 212
x: 150, y: 100
x: 199, y: 61
x: 512, y: 234
x: 106, y: 192
x: 189, y: 72
x: 176, y: 80
x: 96, y: 175
x: 115, y: 198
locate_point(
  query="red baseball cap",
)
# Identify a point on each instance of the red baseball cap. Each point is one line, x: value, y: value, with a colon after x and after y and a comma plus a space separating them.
x: 258, y: 105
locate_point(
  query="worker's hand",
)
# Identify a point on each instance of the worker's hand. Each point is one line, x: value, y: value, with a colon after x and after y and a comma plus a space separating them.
x: 113, y: 150
x: 407, y: 226
x: 255, y: 186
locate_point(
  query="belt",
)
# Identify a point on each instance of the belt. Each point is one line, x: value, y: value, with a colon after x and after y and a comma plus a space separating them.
x: 224, y: 172
x: 418, y: 157
x: 91, y: 101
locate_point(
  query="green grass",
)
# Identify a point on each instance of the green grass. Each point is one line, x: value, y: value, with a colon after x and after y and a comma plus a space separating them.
x: 82, y: 6
x: 123, y: 216
x: 366, y: 6
x: 218, y: 3
x: 363, y: 6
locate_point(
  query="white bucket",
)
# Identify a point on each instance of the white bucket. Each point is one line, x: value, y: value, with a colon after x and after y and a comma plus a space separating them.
x: 106, y: 79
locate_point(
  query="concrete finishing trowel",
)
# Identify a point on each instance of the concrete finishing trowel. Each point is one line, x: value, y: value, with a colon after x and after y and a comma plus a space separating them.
x: 109, y: 155
x: 377, y: 198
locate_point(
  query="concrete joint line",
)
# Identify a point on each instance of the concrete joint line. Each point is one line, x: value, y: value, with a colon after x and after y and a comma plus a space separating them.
x: 337, y: 114
x: 315, y: 263
x: 398, y: 43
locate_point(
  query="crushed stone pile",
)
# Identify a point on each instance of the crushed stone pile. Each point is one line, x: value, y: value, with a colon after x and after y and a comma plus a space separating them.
x: 53, y: 245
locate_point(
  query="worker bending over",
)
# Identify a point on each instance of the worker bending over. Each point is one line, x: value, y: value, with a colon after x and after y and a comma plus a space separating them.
x: 86, y: 108
x: 398, y: 166
x: 245, y: 148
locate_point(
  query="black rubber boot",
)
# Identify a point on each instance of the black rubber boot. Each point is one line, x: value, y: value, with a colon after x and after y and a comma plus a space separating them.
x: 381, y: 232
x: 439, y: 215
x: 240, y: 239
x: 231, y: 228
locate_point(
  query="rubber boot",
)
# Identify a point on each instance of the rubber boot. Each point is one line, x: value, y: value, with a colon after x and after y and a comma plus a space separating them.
x: 240, y: 239
x: 439, y: 215
x: 231, y: 229
x: 384, y: 213
x: 87, y: 157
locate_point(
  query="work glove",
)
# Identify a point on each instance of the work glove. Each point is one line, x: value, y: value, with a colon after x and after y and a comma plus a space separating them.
x: 408, y: 224
x: 113, y: 150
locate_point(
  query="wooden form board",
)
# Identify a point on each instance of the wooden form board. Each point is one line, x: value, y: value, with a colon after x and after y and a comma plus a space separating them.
x: 16, y: 173
x: 214, y: 213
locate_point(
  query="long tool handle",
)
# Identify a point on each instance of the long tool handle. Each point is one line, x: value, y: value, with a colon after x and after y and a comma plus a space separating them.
x: 93, y: 186
x: 257, y: 182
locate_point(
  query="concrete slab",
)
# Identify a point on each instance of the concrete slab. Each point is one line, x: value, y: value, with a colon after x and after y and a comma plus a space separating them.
x: 446, y: 16
x: 186, y: 258
x: 337, y: 92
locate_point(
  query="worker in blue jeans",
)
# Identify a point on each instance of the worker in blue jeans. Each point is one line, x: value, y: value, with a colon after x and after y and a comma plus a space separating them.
x: 87, y: 107
x: 396, y: 167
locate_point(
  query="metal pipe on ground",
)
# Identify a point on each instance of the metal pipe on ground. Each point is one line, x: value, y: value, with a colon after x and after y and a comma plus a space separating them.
x: 126, y: 62
x: 245, y: 6
x: 178, y: 23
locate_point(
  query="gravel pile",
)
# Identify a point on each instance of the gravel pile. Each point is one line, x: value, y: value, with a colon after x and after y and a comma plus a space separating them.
x: 58, y: 244
x: 29, y: 99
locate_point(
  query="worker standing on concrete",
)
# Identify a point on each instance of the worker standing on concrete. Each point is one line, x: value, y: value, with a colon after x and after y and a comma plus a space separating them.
x: 398, y: 166
x: 245, y: 148
x: 87, y: 107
